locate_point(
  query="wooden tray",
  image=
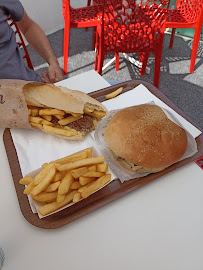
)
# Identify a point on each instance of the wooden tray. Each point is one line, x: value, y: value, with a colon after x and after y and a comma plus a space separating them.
x: 109, y: 193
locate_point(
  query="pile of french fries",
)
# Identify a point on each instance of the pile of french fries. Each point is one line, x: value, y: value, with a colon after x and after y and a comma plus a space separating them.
x: 41, y: 118
x: 67, y: 180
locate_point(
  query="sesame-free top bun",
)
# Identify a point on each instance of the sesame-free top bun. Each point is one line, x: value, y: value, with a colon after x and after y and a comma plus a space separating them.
x: 143, y: 135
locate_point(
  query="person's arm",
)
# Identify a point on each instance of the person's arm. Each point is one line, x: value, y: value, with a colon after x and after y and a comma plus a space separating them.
x: 39, y: 42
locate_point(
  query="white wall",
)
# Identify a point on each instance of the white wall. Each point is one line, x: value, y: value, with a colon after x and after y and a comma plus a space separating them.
x: 48, y: 13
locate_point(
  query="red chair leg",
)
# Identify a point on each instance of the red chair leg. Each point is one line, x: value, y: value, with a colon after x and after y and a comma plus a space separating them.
x: 157, y: 70
x: 94, y: 37
x: 65, y: 49
x: 195, y: 47
x: 143, y: 59
x: 117, y: 61
x: 100, y: 59
x: 88, y: 4
x: 157, y: 64
x: 96, y: 51
x: 172, y: 38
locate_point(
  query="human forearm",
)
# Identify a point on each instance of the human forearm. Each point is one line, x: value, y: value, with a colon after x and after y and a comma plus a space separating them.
x: 37, y: 39
x: 39, y: 42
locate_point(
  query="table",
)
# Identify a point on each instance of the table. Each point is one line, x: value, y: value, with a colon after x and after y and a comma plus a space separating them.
x: 159, y: 226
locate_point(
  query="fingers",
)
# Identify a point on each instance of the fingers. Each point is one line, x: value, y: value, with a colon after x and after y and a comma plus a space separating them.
x: 52, y: 75
x: 45, y: 77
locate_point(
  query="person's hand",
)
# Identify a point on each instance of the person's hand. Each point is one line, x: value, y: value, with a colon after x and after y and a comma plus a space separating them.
x: 52, y: 74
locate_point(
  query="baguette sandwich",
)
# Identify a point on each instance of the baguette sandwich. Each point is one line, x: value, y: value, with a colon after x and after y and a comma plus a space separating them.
x: 66, y: 113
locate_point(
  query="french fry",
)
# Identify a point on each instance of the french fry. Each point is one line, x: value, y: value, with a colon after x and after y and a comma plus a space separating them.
x: 102, y: 167
x: 46, y: 197
x: 45, y: 122
x: 75, y: 185
x: 79, y: 172
x: 60, y: 131
x: 77, y: 197
x: 60, y: 198
x: 47, y: 117
x: 89, y: 152
x: 66, y: 183
x: 68, y: 120
x: 71, y: 158
x: 92, y: 168
x: 42, y: 174
x: 51, y: 207
x: 85, y: 180
x: 35, y: 119
x: 51, y: 112
x: 29, y: 188
x: 97, y: 114
x: 26, y: 180
x: 80, y: 163
x: 76, y: 114
x: 52, y: 187
x: 58, y: 177
x: 45, y: 165
x: 93, y: 174
x: 88, y: 109
x: 81, y: 189
x: 29, y: 111
x: 34, y: 112
x: 36, y: 125
x: 100, y: 182
x: 59, y: 116
x: 43, y: 184
x: 114, y: 93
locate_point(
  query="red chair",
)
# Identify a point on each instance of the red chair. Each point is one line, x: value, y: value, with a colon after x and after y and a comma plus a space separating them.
x: 21, y: 43
x: 188, y: 14
x: 77, y: 18
x: 129, y: 27
x: 95, y: 2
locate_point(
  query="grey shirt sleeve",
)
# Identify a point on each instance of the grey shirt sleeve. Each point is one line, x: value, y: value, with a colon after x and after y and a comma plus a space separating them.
x: 14, y: 8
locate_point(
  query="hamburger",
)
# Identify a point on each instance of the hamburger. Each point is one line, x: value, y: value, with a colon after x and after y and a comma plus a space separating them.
x: 144, y: 139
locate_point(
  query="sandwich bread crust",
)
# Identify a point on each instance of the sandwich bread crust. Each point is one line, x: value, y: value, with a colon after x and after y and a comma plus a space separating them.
x: 47, y: 95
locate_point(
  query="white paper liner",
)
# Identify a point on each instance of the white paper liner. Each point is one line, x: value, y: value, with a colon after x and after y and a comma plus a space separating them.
x: 121, y: 172
x: 35, y: 204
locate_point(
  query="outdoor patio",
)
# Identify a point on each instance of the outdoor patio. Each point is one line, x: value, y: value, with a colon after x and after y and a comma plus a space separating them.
x: 183, y: 88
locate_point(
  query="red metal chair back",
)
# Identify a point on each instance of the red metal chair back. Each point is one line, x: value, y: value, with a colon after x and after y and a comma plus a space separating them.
x: 131, y: 26
x: 191, y: 10
x: 95, y: 2
x: 21, y: 43
x: 77, y: 18
x: 187, y: 14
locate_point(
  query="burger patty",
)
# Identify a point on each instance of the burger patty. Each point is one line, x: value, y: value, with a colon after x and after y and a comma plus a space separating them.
x: 133, y: 166
x: 84, y: 124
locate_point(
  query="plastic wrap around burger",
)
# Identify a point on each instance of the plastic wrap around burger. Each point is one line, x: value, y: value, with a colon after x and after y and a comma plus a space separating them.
x: 144, y: 139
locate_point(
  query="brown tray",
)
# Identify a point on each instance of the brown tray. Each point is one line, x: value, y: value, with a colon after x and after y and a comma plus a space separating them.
x: 111, y: 192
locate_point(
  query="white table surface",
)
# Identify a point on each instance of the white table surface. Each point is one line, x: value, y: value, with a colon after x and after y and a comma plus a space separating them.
x: 157, y: 227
